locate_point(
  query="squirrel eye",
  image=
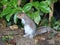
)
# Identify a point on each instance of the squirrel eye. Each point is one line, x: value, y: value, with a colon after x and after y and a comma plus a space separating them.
x: 19, y: 14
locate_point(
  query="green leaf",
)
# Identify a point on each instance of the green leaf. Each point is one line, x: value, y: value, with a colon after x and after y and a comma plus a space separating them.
x: 37, y: 17
x: 4, y: 2
x: 48, y: 2
x: 51, y: 1
x: 56, y: 27
x: 15, y: 18
x: 31, y: 15
x: 5, y: 11
x: 44, y: 7
x: 13, y: 3
x: 27, y: 7
x: 19, y: 9
x: 43, y: 3
x: 10, y: 14
x: 57, y: 22
x: 36, y: 4
x: 44, y: 22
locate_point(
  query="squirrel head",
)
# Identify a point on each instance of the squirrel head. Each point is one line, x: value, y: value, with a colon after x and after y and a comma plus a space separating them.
x: 21, y: 15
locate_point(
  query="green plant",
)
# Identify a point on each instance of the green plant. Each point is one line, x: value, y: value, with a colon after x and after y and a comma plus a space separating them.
x: 12, y: 8
x: 57, y: 26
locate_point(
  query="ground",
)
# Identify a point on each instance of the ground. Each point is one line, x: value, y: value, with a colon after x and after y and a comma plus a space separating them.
x: 18, y: 38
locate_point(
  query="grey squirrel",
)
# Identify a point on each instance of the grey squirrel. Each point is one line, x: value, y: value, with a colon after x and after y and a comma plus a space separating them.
x: 30, y: 27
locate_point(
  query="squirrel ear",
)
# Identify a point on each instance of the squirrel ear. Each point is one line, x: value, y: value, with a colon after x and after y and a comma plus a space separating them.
x: 19, y: 14
x: 23, y: 13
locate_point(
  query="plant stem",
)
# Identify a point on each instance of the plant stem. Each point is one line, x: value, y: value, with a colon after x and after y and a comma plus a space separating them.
x: 51, y: 13
x: 42, y: 20
x: 31, y: 0
x: 4, y: 6
x: 19, y: 2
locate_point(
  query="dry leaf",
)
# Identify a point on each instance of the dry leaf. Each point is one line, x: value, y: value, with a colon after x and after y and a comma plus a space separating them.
x: 14, y: 27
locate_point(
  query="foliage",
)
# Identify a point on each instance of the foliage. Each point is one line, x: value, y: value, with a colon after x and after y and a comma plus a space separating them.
x: 33, y: 9
x: 55, y: 24
x: 12, y: 8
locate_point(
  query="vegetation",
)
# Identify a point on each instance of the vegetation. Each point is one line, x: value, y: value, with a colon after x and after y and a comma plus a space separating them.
x: 41, y: 12
x: 36, y: 10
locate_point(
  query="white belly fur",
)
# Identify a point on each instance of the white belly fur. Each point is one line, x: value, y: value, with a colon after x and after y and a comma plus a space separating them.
x: 23, y: 21
x: 28, y: 30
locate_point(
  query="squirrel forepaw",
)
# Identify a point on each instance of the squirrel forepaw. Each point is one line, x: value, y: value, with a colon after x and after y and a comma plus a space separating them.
x: 31, y: 36
x: 25, y: 35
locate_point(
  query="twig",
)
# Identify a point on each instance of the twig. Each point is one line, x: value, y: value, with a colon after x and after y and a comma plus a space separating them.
x: 31, y: 0
x: 42, y: 20
x: 19, y: 2
x: 51, y: 13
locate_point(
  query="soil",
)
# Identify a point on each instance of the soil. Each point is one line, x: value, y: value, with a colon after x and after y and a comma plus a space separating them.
x: 18, y: 39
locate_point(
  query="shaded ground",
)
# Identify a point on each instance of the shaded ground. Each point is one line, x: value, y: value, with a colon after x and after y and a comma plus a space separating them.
x: 20, y: 40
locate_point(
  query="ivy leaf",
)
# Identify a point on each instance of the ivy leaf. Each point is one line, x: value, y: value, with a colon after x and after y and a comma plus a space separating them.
x: 27, y: 7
